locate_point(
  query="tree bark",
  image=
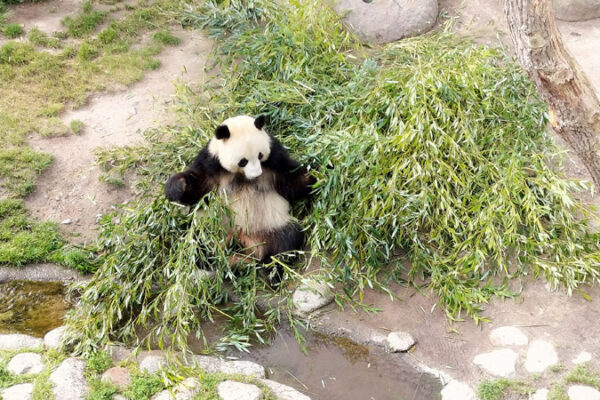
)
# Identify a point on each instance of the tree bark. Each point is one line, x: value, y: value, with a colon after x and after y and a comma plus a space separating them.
x: 574, y: 105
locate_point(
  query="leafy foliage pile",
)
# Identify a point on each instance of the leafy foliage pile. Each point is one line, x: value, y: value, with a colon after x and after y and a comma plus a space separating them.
x: 431, y: 146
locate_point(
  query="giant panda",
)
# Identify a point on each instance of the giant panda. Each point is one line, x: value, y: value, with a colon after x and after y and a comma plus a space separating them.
x: 258, y: 179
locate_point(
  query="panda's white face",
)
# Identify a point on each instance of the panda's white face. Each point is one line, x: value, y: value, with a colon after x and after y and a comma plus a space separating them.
x: 241, y: 146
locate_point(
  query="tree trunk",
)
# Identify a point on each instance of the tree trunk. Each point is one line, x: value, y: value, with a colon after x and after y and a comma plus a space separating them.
x: 574, y: 105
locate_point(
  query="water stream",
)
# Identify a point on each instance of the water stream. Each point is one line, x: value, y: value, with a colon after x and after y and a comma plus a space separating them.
x: 331, y: 369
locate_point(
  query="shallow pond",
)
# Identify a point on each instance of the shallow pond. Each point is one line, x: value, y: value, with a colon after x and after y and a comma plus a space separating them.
x: 340, y: 369
x: 31, y: 307
x: 331, y: 369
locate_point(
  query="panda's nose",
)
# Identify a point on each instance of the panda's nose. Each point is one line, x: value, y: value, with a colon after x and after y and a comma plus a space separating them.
x: 253, y: 170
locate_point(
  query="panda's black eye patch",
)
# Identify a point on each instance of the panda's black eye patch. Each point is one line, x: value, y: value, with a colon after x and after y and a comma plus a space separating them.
x: 260, y: 156
x: 243, y: 162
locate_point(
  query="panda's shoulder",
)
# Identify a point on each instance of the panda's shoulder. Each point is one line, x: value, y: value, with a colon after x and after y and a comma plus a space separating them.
x: 208, y: 162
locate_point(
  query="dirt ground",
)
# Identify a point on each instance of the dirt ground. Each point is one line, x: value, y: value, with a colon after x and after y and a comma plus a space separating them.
x: 70, y: 190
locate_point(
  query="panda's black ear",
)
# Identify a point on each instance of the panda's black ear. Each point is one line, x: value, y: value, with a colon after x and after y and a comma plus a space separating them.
x: 222, y: 132
x: 260, y: 121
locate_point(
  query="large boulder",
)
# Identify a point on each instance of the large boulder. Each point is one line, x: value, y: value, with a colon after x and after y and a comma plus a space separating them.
x: 69, y: 381
x: 26, y: 363
x: 383, y: 21
x: 577, y: 10
x: 17, y: 341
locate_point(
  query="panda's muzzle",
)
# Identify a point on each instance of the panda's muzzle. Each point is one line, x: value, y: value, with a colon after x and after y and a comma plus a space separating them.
x: 253, y: 169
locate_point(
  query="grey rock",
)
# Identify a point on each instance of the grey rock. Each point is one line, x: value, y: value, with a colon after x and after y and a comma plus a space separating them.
x: 26, y: 363
x: 576, y: 10
x: 208, y: 364
x: 283, y: 392
x: 17, y: 341
x: 582, y: 358
x: 66, y: 221
x: 117, y: 376
x: 53, y: 338
x: 231, y: 390
x: 383, y: 21
x: 498, y: 362
x: 311, y: 296
x: 41, y: 273
x: 23, y: 391
x: 152, y: 363
x: 508, y: 336
x: 247, y: 368
x: 118, y: 353
x: 119, y: 397
x: 185, y: 390
x: 69, y: 381
x: 580, y: 392
x: 540, y: 394
x: 540, y: 356
x: 400, y: 341
x: 456, y: 390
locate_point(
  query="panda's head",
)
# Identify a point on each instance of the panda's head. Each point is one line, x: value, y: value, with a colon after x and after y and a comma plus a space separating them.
x: 241, y: 144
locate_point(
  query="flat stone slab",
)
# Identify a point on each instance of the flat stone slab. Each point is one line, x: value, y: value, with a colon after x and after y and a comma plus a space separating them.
x: 118, y: 353
x: 311, y: 296
x: 541, y: 394
x: 582, y: 357
x: 17, y: 341
x: 498, y: 362
x: 69, y: 381
x: 185, y: 390
x: 26, y: 363
x: 231, y: 390
x: 23, y: 391
x: 53, y: 338
x: 283, y: 392
x: 508, y: 336
x: 581, y: 392
x: 540, y: 356
x: 117, y: 376
x: 241, y: 367
x: 152, y: 363
x: 456, y: 390
x: 383, y: 21
x: 400, y: 341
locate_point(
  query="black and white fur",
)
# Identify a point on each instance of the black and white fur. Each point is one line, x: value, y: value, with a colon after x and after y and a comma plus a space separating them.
x: 259, y: 180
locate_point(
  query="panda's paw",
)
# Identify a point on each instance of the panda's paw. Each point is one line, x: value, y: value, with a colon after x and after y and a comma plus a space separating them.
x: 176, y: 187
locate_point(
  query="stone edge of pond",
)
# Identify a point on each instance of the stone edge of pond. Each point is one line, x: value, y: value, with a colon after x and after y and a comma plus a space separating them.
x: 72, y: 370
x: 41, y: 273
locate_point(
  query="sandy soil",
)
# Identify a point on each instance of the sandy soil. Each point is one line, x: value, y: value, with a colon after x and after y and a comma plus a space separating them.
x: 70, y: 189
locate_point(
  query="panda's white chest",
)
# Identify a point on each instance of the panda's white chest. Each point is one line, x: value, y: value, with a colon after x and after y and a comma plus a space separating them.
x: 256, y: 207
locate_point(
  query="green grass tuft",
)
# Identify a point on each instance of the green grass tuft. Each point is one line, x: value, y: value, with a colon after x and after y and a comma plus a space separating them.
x: 12, y: 31
x: 143, y: 386
x: 99, y: 362
x: 76, y: 126
x: 499, y: 388
x: 39, y: 38
x: 166, y: 38
x: 84, y: 23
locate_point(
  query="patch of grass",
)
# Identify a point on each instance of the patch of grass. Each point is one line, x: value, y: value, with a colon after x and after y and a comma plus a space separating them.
x: 22, y: 240
x: 19, y: 167
x: 499, y: 388
x: 42, y: 387
x: 99, y: 362
x: 39, y: 38
x: 165, y: 37
x: 87, y: 51
x: 143, y: 386
x: 84, y: 23
x: 76, y: 126
x: 12, y: 31
x: 100, y: 390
